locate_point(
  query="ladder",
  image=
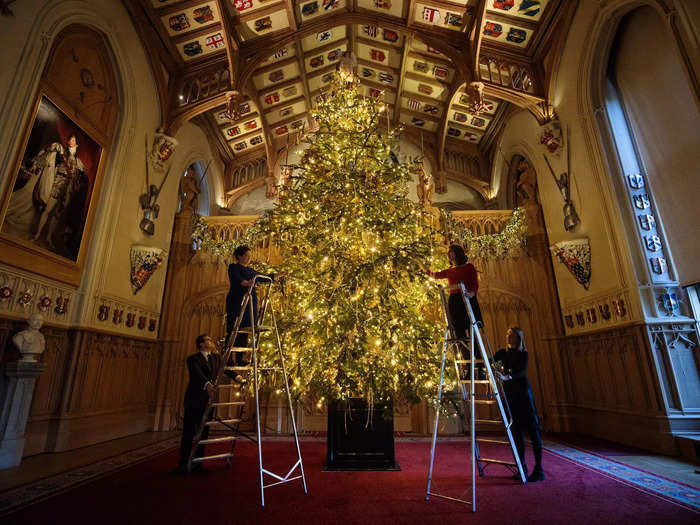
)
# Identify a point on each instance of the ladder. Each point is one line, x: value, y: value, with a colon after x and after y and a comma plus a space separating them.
x: 478, y: 355
x: 236, y: 377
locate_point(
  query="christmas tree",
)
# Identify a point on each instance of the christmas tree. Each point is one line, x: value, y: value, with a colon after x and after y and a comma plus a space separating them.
x: 359, y: 317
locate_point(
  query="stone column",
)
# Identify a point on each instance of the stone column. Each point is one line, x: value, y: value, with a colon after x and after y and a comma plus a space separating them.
x: 16, y: 391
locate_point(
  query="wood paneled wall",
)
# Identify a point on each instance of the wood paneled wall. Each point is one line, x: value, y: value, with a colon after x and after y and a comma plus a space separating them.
x: 95, y: 387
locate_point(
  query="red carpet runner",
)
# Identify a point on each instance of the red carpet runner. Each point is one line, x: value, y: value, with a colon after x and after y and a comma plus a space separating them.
x: 149, y: 493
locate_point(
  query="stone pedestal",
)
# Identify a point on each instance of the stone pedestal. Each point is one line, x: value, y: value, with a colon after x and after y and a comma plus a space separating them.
x: 16, y: 392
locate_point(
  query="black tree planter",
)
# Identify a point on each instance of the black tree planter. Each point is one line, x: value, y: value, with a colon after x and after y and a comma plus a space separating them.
x: 355, y: 445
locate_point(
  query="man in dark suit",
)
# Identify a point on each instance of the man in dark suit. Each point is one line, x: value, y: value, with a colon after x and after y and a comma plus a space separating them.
x: 203, y: 367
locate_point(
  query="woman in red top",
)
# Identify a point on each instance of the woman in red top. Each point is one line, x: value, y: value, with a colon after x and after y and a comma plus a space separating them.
x: 464, y: 272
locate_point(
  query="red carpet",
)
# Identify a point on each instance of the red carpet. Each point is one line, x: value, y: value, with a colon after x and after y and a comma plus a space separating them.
x: 150, y: 493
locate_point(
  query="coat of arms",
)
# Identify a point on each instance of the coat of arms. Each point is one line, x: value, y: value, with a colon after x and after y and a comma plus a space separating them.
x: 636, y: 181
x: 552, y: 139
x: 162, y: 150
x: 386, y: 78
x: 658, y: 265
x: 276, y: 76
x: 145, y: 260
x: 641, y: 202
x: 202, y: 15
x: 453, y: 19
x: 576, y: 256
x: 653, y: 243
x: 647, y: 221
x: 262, y: 24
x: 309, y: 9
x: 440, y: 72
x: 504, y: 5
x: 421, y: 67
x: 390, y: 36
x: 192, y: 49
x: 377, y: 55
x: 179, y: 22
x: 517, y: 36
x: 493, y: 30
x: 430, y: 14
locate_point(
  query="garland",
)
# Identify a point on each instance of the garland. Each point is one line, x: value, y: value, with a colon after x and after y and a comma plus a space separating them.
x: 508, y: 243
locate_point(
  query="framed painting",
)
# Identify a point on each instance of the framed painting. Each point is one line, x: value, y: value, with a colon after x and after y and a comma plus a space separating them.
x: 48, y: 203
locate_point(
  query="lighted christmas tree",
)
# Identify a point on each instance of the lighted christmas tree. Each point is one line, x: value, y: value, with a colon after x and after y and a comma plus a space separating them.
x: 358, y: 318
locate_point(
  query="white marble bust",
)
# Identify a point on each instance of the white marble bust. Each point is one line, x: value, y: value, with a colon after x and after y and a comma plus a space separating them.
x: 31, y: 342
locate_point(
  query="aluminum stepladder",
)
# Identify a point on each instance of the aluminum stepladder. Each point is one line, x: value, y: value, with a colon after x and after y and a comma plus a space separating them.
x: 478, y: 354
x: 232, y: 424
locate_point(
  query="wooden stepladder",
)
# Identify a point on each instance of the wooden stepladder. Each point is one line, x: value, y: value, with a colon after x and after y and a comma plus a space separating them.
x: 475, y: 347
x: 232, y: 382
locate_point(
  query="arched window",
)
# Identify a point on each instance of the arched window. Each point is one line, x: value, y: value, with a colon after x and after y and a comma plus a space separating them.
x: 654, y: 122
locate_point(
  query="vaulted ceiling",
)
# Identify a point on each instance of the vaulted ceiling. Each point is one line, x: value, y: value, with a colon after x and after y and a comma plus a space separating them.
x: 269, y: 60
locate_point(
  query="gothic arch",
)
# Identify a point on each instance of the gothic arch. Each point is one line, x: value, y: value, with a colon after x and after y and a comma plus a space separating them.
x: 15, y: 113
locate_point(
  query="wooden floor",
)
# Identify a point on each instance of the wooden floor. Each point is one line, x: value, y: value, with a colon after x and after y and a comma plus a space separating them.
x: 41, y: 466
x: 671, y: 468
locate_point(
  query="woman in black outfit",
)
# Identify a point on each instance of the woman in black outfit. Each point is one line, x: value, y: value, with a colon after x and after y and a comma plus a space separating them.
x: 520, y: 400
x: 240, y: 277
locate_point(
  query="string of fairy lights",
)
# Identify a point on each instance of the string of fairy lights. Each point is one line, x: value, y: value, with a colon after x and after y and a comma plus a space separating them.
x: 359, y: 317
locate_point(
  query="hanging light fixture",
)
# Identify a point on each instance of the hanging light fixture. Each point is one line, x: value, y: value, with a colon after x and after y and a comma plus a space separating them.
x: 347, y: 66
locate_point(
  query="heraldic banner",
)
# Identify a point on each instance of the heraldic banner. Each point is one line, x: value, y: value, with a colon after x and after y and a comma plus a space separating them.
x: 576, y: 256
x: 145, y: 260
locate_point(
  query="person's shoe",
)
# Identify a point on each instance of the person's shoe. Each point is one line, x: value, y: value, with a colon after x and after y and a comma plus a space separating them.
x: 180, y: 471
x: 516, y: 476
x: 537, y: 475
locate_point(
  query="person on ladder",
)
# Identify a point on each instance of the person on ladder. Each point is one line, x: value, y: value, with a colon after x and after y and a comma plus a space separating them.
x: 461, y: 271
x: 203, y: 367
x: 520, y: 399
x: 240, y: 277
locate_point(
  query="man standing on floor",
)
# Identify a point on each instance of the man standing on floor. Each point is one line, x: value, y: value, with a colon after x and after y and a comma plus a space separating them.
x: 203, y: 367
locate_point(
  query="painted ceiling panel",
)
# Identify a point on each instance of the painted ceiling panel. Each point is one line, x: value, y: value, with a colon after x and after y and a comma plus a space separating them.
x: 266, y: 24
x: 202, y: 46
x: 419, y: 121
x: 285, y: 129
x: 419, y: 106
x: 387, y: 7
x: 454, y: 18
x: 286, y: 111
x: 281, y: 54
x: 191, y: 19
x: 379, y: 34
x: 278, y: 96
x: 525, y: 9
x: 379, y: 55
x: 317, y: 8
x: 497, y: 31
x: 273, y: 76
x: 433, y: 70
x: 318, y: 60
x: 322, y: 38
x: 426, y: 88
x: 244, y: 7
